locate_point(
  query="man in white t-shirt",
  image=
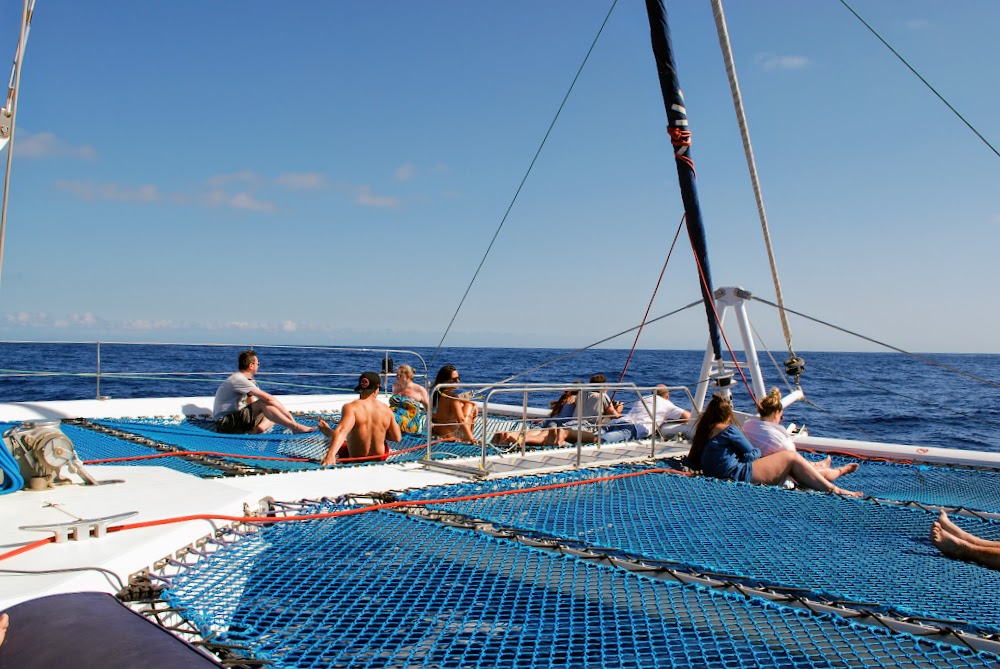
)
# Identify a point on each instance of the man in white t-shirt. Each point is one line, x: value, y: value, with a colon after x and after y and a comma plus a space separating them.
x: 637, y: 422
x: 241, y: 407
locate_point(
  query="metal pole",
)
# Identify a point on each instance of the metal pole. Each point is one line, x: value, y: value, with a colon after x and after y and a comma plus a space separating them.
x: 98, y: 370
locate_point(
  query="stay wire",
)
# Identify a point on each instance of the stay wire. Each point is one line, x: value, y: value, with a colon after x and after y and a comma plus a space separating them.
x: 915, y: 356
x: 599, y: 342
x: 650, y: 305
x: 520, y: 186
x: 926, y: 83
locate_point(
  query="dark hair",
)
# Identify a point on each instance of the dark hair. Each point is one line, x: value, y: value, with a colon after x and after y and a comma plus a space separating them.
x: 719, y: 410
x: 557, y: 405
x: 443, y: 376
x: 246, y: 358
x: 598, y: 378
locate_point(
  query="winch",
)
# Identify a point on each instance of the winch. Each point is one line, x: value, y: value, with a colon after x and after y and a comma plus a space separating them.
x: 45, y: 455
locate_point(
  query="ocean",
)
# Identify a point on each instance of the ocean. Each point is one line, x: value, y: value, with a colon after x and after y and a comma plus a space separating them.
x: 886, y: 397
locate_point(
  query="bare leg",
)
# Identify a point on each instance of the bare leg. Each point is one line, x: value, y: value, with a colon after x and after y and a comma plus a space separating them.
x: 956, y: 531
x: 4, y: 622
x: 954, y: 547
x: 775, y: 468
x: 832, y: 473
x: 281, y: 416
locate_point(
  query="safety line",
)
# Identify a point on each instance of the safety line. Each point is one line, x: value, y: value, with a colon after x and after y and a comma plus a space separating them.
x: 521, y: 185
x: 650, y: 305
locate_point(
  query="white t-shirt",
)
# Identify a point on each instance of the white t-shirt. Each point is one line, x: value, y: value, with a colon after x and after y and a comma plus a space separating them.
x: 640, y: 416
x: 767, y: 437
x: 232, y: 395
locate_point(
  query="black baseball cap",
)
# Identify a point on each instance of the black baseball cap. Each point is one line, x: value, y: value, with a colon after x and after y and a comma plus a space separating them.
x: 368, y: 381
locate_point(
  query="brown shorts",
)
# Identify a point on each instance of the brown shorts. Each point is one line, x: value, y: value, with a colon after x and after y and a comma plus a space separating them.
x: 239, y: 422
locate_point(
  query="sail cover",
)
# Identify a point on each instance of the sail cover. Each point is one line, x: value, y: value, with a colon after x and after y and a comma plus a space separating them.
x: 680, y: 137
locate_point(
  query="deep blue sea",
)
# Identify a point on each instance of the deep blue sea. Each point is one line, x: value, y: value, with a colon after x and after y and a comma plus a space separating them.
x: 880, y: 396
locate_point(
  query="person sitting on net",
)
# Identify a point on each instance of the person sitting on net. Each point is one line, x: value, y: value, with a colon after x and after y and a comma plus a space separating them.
x: 720, y: 450
x: 768, y: 435
x: 453, y: 415
x: 597, y: 407
x: 406, y: 387
x: 561, y: 412
x: 637, y: 422
x: 956, y: 543
x: 241, y: 407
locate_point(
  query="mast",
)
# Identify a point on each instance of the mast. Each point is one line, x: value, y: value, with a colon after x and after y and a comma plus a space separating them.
x: 680, y: 138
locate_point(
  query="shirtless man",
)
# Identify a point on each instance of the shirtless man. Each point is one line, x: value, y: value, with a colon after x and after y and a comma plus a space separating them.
x: 365, y: 424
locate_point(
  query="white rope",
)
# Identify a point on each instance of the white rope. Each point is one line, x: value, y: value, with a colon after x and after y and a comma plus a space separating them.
x: 727, y: 55
x: 9, y: 112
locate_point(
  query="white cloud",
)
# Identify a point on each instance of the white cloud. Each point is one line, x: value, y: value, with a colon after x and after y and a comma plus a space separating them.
x: 27, y: 319
x: 245, y: 201
x: 47, y: 145
x: 405, y: 172
x: 770, y: 61
x: 363, y: 195
x: 243, y: 176
x: 303, y: 181
x: 111, y: 191
x: 289, y: 326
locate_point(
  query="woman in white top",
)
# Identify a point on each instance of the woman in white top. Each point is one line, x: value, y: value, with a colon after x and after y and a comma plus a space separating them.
x: 768, y: 435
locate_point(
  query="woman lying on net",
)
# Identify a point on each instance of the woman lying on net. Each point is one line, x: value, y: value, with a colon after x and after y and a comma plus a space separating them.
x: 720, y: 450
x: 768, y: 435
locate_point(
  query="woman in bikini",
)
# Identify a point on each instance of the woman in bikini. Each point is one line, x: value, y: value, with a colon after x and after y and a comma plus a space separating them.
x: 453, y: 416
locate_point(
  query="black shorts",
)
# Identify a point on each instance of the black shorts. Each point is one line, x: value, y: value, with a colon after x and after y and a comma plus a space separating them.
x: 238, y: 422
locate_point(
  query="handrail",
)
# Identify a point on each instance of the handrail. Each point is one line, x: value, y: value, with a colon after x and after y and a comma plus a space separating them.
x: 490, y: 390
x: 99, y: 374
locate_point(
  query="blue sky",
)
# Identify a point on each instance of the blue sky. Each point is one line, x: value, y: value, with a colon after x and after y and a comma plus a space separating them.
x: 332, y: 172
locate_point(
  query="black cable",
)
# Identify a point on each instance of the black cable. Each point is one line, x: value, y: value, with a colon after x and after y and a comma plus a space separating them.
x: 521, y: 185
x: 926, y: 83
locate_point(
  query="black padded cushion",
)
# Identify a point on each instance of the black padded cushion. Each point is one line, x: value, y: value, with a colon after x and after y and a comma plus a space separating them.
x: 91, y: 629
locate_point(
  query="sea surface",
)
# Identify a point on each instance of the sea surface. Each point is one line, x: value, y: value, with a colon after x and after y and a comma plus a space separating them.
x: 887, y: 397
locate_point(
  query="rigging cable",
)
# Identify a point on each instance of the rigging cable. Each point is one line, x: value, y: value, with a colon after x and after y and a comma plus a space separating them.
x: 524, y: 179
x: 650, y: 305
x: 734, y: 86
x: 915, y: 356
x: 925, y: 82
x: 10, y: 112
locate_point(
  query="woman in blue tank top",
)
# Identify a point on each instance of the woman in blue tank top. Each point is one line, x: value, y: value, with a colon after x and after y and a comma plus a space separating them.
x: 720, y: 450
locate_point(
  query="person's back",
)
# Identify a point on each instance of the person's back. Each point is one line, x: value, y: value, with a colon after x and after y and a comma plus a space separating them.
x: 365, y: 425
x: 767, y: 437
x: 372, y: 421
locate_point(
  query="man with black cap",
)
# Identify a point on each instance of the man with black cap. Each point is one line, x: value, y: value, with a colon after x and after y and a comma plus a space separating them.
x: 364, y: 425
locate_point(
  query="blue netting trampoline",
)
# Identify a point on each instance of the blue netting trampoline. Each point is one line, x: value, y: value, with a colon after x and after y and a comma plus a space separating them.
x: 382, y: 590
x: 763, y: 534
x: 91, y: 445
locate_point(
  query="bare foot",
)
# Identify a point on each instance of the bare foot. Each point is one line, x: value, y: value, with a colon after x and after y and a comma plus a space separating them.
x: 4, y: 622
x: 325, y: 428
x: 954, y: 530
x: 299, y: 428
x: 823, y: 464
x: 947, y: 543
x: 846, y: 493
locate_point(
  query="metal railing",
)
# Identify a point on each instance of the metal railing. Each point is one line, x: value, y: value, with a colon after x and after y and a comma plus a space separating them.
x: 579, y: 424
x: 100, y: 373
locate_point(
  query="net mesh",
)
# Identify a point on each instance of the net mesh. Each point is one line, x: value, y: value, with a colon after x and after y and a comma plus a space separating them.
x: 763, y: 534
x: 383, y: 590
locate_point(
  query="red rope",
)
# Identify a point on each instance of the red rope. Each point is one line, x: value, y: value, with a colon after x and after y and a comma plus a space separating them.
x: 650, y: 305
x: 263, y: 520
x: 718, y: 322
x: 681, y: 138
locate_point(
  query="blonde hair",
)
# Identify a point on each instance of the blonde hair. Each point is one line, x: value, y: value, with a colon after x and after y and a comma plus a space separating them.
x: 770, y: 404
x: 404, y: 370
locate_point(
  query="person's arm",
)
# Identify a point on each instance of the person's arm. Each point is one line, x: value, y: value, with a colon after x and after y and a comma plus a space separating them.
x: 340, y: 433
x: 394, y: 433
x: 424, y: 397
x: 460, y: 410
x: 259, y: 394
x: 613, y: 409
x: 742, y: 448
